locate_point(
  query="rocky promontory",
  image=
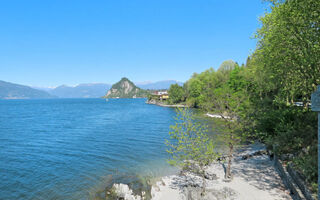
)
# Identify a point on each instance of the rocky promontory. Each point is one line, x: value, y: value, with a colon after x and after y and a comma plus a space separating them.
x: 125, y: 89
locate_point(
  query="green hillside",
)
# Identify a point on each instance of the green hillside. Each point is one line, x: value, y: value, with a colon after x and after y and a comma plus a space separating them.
x: 125, y: 89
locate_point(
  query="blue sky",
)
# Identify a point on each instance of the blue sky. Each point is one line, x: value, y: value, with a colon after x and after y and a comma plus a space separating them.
x: 49, y: 43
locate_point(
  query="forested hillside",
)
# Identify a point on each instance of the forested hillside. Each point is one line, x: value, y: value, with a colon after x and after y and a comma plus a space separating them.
x: 125, y: 89
x: 270, y: 94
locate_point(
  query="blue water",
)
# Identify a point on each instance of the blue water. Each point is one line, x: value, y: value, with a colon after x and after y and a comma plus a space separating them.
x: 68, y: 148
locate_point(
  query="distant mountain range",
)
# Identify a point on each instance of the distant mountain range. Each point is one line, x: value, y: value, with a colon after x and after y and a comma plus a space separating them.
x: 126, y: 89
x: 16, y: 91
x: 96, y: 90
x: 89, y: 90
x: 158, y: 85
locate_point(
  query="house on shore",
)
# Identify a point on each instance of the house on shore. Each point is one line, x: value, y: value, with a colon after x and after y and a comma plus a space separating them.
x: 161, y: 95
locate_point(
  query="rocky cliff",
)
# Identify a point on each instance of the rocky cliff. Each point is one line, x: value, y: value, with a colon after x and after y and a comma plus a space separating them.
x: 125, y: 89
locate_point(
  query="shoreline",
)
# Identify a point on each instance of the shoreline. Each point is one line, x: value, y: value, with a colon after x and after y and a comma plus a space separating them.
x: 165, y: 105
x: 254, y: 178
x: 217, y: 116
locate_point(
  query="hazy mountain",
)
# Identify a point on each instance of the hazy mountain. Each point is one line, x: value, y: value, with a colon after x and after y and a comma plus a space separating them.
x: 47, y: 89
x: 16, y: 91
x: 96, y: 90
x: 158, y: 85
x: 90, y: 90
x: 125, y: 89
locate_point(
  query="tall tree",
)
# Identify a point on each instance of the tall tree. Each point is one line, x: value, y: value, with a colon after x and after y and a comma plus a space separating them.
x: 228, y: 103
x: 176, y: 94
x: 289, y: 48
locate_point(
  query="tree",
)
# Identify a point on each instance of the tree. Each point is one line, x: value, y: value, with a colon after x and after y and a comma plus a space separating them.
x: 289, y: 48
x: 194, y: 94
x: 189, y: 146
x: 227, y: 66
x: 228, y: 103
x: 176, y: 94
x: 284, y: 69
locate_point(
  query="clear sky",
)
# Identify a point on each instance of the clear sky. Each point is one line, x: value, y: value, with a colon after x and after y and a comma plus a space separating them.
x: 49, y: 43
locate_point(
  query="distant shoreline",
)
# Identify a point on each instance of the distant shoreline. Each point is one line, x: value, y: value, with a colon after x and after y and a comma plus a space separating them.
x: 165, y: 105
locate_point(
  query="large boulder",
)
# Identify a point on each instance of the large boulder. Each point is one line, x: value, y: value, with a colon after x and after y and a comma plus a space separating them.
x: 123, y: 192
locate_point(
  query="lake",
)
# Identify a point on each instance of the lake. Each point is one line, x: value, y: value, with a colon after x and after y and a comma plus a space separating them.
x: 69, y: 148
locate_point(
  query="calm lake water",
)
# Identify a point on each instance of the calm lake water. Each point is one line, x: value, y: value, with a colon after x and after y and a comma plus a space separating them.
x: 68, y: 148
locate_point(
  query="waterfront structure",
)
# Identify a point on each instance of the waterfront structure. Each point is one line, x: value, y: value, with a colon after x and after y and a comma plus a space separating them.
x: 161, y: 95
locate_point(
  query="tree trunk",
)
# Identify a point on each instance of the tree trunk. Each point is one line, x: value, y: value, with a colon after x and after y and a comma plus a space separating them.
x: 203, y: 188
x: 230, y: 156
x: 203, y: 191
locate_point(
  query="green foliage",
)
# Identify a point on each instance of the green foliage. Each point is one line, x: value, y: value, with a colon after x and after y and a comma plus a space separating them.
x: 189, y: 146
x: 230, y: 104
x: 292, y: 129
x: 289, y: 49
x: 194, y: 88
x: 227, y: 66
x: 260, y: 96
x: 285, y: 68
x: 307, y: 163
x: 176, y: 94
